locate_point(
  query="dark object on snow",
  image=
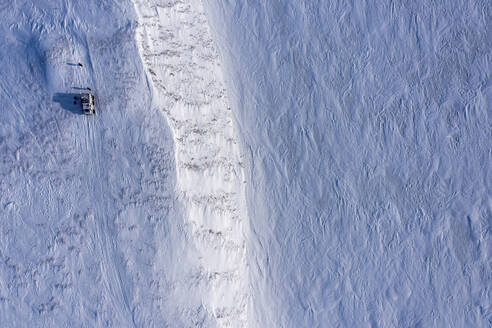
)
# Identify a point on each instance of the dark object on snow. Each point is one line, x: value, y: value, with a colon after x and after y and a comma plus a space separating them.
x: 75, y: 103
x: 89, y: 89
x: 80, y: 64
x: 88, y: 103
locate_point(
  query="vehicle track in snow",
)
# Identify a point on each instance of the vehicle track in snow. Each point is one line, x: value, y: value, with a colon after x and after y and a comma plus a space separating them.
x: 97, y: 177
x: 114, y: 283
x: 182, y: 64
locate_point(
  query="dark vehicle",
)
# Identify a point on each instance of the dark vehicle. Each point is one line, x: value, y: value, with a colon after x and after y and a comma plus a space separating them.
x: 87, y: 100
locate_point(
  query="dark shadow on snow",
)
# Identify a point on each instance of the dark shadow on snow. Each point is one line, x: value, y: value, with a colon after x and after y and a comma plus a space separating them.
x: 72, y: 64
x: 66, y: 101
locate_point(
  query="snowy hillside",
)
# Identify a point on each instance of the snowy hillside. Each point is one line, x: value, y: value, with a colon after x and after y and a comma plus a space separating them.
x: 339, y: 177
x: 133, y: 217
x: 367, y: 127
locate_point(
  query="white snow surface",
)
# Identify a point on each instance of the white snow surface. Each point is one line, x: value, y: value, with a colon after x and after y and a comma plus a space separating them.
x: 339, y: 177
x: 367, y: 126
x: 133, y: 217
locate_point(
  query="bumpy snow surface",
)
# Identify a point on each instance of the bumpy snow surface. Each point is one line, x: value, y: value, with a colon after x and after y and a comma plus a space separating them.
x: 331, y: 168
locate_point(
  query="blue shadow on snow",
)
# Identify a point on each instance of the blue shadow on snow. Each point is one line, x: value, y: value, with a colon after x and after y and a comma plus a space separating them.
x: 69, y: 101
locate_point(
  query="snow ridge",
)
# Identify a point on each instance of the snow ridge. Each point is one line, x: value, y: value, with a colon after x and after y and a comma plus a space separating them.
x: 182, y: 65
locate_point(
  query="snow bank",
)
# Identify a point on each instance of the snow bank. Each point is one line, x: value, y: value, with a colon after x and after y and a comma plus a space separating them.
x: 183, y: 68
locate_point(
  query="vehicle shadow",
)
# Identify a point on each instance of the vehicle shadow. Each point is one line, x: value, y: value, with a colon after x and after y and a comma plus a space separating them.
x: 69, y: 101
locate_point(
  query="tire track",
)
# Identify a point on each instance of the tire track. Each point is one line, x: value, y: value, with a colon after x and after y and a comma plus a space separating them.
x: 114, y: 282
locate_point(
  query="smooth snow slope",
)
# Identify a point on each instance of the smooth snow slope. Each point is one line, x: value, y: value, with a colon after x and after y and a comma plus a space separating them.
x: 102, y: 222
x: 368, y: 129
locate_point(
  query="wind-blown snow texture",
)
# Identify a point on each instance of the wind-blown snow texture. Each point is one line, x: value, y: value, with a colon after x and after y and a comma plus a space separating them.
x: 369, y: 138
x: 363, y: 199
x: 103, y: 224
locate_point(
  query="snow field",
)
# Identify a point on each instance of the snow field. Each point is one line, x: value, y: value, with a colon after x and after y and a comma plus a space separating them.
x: 361, y: 128
x: 367, y: 131
x: 92, y: 233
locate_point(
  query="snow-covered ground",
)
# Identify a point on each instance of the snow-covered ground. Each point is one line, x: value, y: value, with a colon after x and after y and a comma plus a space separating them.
x: 184, y: 71
x: 368, y: 133
x: 340, y: 177
x: 132, y: 217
